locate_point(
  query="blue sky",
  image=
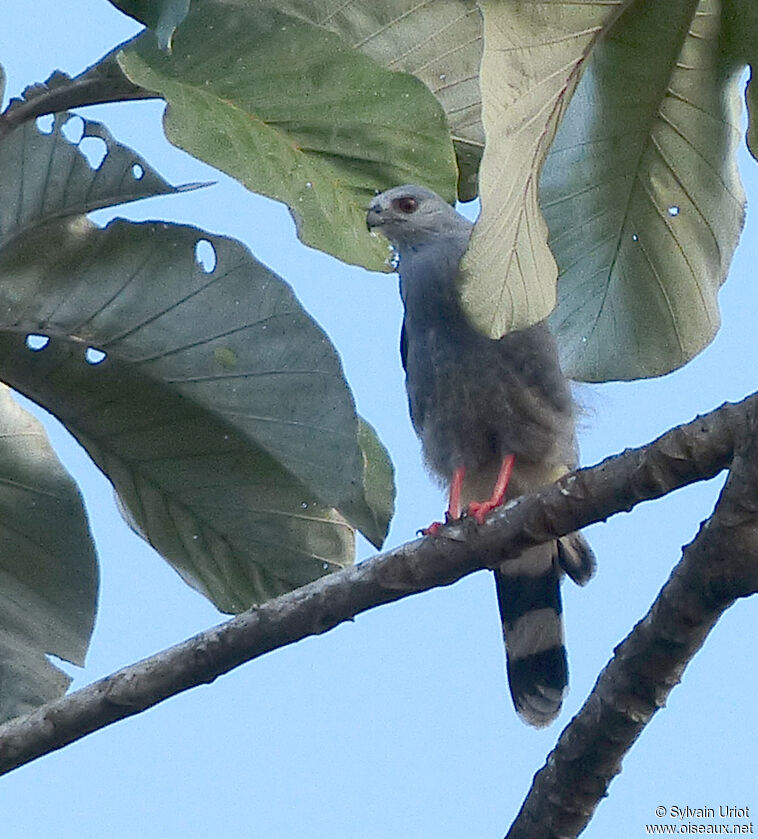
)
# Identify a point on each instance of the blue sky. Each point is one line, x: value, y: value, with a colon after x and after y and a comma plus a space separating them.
x: 400, y: 723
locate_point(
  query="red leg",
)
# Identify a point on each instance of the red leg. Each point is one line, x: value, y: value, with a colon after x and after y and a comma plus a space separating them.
x: 454, y: 508
x: 480, y: 509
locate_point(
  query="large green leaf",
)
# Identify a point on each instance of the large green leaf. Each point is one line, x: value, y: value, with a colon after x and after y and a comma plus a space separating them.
x: 219, y: 410
x: 440, y: 41
x: 642, y: 195
x: 533, y: 55
x: 48, y: 570
x: 43, y: 175
x: 295, y: 113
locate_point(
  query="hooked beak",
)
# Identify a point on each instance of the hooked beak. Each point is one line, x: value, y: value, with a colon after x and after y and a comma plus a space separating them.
x: 374, y: 216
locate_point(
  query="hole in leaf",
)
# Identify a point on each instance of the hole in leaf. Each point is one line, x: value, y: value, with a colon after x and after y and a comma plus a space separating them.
x: 35, y: 342
x: 138, y: 172
x: 94, y: 356
x: 73, y: 129
x: 45, y: 124
x: 674, y: 210
x: 94, y: 149
x: 635, y: 237
x: 205, y: 255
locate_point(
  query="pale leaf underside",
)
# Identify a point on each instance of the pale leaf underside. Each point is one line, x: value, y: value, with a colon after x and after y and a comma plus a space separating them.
x: 531, y: 65
x: 643, y: 198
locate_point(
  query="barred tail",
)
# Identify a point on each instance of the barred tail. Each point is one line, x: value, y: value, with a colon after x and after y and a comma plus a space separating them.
x: 529, y: 597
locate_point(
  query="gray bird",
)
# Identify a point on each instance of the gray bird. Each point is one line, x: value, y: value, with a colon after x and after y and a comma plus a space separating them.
x: 496, y: 420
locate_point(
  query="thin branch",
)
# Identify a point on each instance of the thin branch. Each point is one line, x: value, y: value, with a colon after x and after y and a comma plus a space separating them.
x: 689, y: 453
x: 718, y: 567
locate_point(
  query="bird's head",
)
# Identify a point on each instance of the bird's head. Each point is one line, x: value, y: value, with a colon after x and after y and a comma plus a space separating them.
x: 411, y: 216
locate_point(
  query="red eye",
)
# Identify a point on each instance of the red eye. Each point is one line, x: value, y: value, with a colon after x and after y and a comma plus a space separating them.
x: 406, y: 204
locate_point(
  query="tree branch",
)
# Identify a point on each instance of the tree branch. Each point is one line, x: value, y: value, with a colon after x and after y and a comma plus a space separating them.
x: 718, y: 567
x: 688, y: 453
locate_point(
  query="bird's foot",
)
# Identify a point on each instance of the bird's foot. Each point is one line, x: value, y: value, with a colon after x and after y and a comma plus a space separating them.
x: 479, y: 510
x: 432, y: 530
x: 434, y: 527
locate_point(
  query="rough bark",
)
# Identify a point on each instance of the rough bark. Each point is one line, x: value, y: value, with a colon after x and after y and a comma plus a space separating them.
x: 688, y: 453
x: 717, y: 568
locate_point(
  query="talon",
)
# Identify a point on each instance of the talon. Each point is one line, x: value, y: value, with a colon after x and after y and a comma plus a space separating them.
x: 479, y: 510
x: 432, y: 530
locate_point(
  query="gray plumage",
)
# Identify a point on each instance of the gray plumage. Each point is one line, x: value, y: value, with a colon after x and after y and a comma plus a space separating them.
x: 473, y: 401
